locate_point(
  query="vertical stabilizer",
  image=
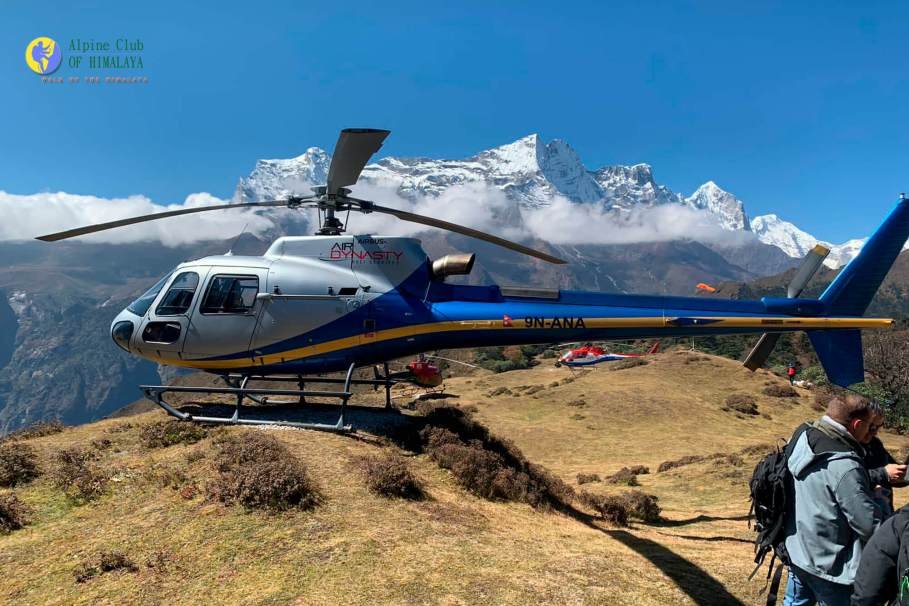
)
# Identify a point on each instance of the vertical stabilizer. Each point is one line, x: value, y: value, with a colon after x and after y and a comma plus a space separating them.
x: 851, y: 292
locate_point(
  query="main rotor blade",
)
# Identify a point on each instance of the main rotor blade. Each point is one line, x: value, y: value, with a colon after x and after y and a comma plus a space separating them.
x: 460, y: 229
x: 90, y: 229
x: 807, y: 269
x: 761, y: 350
x: 764, y: 347
x: 353, y: 150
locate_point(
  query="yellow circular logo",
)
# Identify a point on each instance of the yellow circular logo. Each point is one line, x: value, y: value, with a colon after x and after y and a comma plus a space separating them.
x: 43, y: 55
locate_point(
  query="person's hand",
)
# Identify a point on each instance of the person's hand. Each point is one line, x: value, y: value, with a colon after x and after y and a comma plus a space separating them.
x: 895, y: 472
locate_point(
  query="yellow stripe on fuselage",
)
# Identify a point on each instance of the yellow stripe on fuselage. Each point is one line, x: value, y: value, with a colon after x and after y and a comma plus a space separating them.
x: 768, y: 324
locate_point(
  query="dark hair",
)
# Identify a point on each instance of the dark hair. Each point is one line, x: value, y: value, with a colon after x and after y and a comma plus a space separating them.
x: 852, y: 406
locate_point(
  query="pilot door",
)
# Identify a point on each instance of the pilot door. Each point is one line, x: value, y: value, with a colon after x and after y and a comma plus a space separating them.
x: 164, y: 328
x: 225, y: 318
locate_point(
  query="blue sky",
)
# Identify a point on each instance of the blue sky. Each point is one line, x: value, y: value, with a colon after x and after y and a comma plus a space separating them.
x: 797, y: 108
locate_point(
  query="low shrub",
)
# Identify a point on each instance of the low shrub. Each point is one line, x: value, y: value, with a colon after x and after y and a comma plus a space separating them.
x: 757, y: 449
x: 36, y: 430
x: 780, y: 391
x: 587, y: 478
x: 627, y: 363
x: 76, y: 472
x: 740, y: 402
x: 499, y: 391
x: 486, y: 465
x: 106, y: 561
x: 14, y: 514
x: 624, y: 476
x: 101, y: 444
x: 18, y: 464
x: 641, y: 506
x: 578, y: 402
x: 692, y: 359
x: 389, y: 475
x: 169, y: 432
x: 610, y: 508
x: 257, y: 471
x: 690, y: 459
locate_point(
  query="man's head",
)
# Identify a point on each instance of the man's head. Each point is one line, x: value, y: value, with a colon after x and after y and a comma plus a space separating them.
x: 860, y: 416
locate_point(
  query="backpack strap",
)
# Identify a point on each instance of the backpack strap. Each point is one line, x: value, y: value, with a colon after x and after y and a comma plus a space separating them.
x: 775, y: 584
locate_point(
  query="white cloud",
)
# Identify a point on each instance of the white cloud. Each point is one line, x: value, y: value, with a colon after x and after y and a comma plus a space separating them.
x: 23, y: 217
x: 474, y: 205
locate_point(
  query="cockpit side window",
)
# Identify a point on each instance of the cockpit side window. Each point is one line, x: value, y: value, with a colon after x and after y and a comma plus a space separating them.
x: 230, y: 295
x: 141, y: 305
x: 179, y: 296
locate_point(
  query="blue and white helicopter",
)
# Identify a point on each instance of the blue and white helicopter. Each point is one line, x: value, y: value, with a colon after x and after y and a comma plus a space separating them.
x: 334, y: 302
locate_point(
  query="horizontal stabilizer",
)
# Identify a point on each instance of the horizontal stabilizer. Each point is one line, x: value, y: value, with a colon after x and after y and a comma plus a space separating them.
x: 840, y: 353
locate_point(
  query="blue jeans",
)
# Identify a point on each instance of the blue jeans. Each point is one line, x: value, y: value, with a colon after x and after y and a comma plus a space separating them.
x: 805, y: 589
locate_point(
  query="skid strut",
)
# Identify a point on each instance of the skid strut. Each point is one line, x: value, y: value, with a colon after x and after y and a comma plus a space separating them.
x: 237, y: 386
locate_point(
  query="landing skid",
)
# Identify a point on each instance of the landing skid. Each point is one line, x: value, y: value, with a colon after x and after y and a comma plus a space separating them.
x: 237, y: 387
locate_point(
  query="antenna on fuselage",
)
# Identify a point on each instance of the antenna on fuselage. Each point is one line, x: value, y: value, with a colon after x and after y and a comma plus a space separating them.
x: 230, y: 251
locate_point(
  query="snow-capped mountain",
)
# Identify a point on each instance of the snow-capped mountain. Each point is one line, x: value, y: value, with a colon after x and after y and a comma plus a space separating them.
x: 728, y: 209
x: 532, y: 173
x: 770, y: 229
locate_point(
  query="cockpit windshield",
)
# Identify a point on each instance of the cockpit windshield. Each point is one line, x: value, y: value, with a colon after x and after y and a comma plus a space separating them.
x: 141, y: 305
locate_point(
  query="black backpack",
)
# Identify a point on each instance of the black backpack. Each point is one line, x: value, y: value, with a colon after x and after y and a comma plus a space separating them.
x: 771, y: 491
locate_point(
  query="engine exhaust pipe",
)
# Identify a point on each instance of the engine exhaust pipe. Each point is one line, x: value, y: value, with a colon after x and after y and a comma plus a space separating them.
x: 452, y: 265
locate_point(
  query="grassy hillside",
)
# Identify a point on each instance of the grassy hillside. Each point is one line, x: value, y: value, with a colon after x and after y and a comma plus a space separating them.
x: 450, y: 548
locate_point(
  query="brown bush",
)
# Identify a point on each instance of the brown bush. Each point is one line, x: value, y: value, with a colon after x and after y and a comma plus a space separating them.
x: 641, y: 506
x: 169, y: 432
x: 18, y: 464
x: 690, y: 459
x: 14, y: 514
x: 37, y: 430
x: 757, y: 449
x: 627, y: 363
x: 101, y: 444
x: 740, y: 402
x: 499, y: 391
x: 78, y: 475
x: 486, y: 465
x: 822, y: 397
x: 780, y: 391
x: 105, y: 561
x: 579, y: 402
x: 686, y: 460
x: 624, y: 476
x: 389, y: 475
x: 610, y: 508
x: 693, y: 359
x: 259, y: 472
x: 587, y: 478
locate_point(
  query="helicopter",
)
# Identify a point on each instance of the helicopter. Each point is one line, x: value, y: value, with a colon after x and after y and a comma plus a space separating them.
x: 589, y: 354
x: 331, y: 302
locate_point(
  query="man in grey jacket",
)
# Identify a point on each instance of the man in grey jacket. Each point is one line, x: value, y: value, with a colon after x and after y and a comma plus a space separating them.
x: 834, y: 512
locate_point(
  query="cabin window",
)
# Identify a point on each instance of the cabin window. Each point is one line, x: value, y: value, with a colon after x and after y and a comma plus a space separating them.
x: 231, y: 295
x: 161, y: 332
x: 179, y: 296
x: 141, y: 305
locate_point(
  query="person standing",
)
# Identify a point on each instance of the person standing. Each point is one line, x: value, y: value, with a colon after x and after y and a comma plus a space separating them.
x: 833, y: 512
x: 883, y: 469
x: 790, y: 372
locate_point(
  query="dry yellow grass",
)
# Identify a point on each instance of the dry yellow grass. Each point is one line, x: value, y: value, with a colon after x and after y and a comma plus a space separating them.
x: 453, y: 548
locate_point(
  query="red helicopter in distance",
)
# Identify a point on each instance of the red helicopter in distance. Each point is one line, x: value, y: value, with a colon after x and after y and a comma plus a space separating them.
x: 590, y: 354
